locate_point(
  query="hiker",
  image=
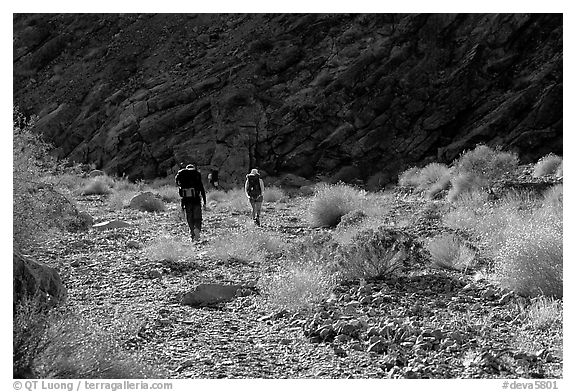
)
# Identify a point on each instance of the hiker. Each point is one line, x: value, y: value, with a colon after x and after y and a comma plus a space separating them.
x: 254, y: 189
x: 190, y: 189
x: 213, y: 178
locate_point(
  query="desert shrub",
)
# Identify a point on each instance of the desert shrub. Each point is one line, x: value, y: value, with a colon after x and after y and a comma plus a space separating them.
x: 447, y: 251
x: 431, y: 179
x: 530, y: 260
x: 297, y: 285
x: 251, y: 246
x: 119, y: 199
x: 38, y: 206
x: 151, y: 204
x: 234, y: 200
x: 432, y: 174
x: 547, y: 165
x: 372, y: 253
x: 64, y: 344
x: 544, y: 313
x: 409, y: 178
x: 123, y: 184
x: 167, y: 248
x: 462, y: 184
x: 330, y: 203
x: 168, y: 194
x: 486, y: 164
x: 273, y: 194
x: 100, y: 185
x: 559, y: 170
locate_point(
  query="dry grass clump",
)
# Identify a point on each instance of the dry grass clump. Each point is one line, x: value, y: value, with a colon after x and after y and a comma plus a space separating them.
x: 65, y: 344
x: 167, y: 248
x: 274, y: 194
x: 331, y: 202
x: 530, y: 261
x: 305, y: 277
x: 168, y: 194
x: 234, y: 200
x: 479, y: 168
x: 297, y: 285
x: 101, y: 185
x: 547, y: 165
x: 544, y: 313
x: 372, y: 253
x: 431, y: 179
x: 448, y: 252
x: 120, y: 199
x: 488, y: 164
x: 249, y: 246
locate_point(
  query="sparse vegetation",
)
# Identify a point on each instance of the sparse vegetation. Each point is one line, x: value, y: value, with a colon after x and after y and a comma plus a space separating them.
x: 331, y: 202
x: 486, y: 164
x: 251, y: 246
x: 297, y: 285
x: 273, y: 194
x: 101, y: 185
x: 64, y: 344
x: 168, y: 248
x: 548, y: 165
x: 448, y: 252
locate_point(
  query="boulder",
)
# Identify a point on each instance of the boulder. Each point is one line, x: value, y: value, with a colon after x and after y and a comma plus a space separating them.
x: 32, y: 279
x: 212, y: 293
x: 147, y: 201
x: 108, y: 225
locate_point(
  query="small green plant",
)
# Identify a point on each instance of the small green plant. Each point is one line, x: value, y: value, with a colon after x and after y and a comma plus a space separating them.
x: 464, y: 183
x: 167, y: 248
x: 331, y: 203
x: 448, y: 252
x: 547, y: 165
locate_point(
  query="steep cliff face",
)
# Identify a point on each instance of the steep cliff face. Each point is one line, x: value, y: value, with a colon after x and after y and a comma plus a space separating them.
x: 355, y: 96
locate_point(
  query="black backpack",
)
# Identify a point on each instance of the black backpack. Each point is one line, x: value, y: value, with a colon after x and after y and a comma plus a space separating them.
x: 190, y: 183
x: 254, y: 190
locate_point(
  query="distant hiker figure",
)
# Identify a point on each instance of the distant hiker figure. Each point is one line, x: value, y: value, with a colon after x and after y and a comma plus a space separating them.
x: 190, y: 188
x: 254, y: 188
x: 213, y: 178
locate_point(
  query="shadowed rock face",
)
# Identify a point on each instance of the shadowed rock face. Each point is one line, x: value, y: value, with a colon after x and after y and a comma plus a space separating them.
x: 361, y: 96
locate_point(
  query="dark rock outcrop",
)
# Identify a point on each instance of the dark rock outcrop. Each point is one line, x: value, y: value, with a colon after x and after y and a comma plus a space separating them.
x: 35, y: 281
x: 306, y: 94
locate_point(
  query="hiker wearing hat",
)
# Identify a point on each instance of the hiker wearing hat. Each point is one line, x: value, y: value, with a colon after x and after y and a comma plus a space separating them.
x: 190, y: 188
x: 254, y: 189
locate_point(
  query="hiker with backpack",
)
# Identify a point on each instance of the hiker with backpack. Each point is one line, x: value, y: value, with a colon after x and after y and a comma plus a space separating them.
x: 213, y: 178
x: 254, y: 189
x: 190, y: 188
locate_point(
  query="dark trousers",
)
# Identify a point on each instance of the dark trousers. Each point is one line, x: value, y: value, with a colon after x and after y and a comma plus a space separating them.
x: 193, y: 212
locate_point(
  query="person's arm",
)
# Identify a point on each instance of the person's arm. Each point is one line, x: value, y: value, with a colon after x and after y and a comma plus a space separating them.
x: 246, y: 189
x: 262, y: 187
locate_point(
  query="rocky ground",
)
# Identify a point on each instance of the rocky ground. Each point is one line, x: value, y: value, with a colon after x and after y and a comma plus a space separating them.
x: 424, y: 323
